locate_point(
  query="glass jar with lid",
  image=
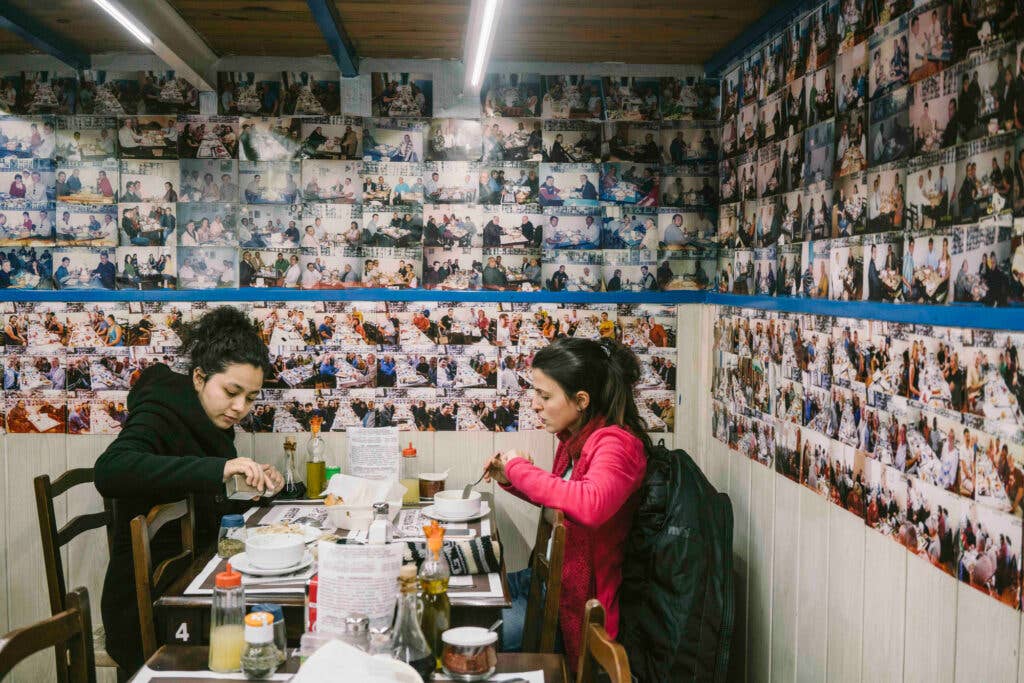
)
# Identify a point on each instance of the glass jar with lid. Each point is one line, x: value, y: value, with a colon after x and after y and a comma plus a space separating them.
x: 231, y: 538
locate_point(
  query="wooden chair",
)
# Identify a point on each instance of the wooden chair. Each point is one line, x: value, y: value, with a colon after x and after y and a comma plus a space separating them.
x: 53, y: 539
x: 150, y: 582
x: 69, y: 630
x: 541, y: 624
x: 598, y: 650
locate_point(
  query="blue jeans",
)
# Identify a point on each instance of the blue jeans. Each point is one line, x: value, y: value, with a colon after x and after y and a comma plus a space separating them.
x: 514, y: 617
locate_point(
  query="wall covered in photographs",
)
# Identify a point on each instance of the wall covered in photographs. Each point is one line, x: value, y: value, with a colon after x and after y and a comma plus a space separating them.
x: 916, y: 429
x: 114, y: 180
x: 888, y: 139
x: 424, y: 366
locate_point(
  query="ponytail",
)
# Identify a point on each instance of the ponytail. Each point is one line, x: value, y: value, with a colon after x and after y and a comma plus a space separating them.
x: 606, y: 370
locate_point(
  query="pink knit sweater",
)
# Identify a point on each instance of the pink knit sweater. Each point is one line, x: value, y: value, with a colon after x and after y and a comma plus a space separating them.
x: 598, y: 500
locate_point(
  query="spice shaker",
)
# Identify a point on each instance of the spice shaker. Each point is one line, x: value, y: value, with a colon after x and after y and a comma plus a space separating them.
x: 260, y: 658
x: 280, y: 637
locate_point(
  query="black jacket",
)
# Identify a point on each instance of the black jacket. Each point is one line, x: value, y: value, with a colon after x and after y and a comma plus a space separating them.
x: 167, y: 450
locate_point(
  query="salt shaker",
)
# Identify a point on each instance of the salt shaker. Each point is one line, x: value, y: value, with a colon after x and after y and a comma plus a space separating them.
x: 380, y: 528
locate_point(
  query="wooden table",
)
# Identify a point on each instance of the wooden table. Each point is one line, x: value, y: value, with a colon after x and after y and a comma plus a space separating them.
x: 185, y: 619
x: 194, y: 658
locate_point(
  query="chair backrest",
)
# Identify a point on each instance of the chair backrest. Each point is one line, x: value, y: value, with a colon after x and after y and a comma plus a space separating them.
x: 151, y: 581
x: 53, y: 539
x: 597, y: 649
x: 541, y: 624
x: 70, y: 629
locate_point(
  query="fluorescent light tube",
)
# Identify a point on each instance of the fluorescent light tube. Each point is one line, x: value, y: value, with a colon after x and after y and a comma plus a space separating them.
x: 126, y: 21
x: 480, y: 35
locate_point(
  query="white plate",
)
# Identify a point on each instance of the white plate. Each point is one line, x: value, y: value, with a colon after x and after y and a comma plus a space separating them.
x: 431, y: 511
x: 242, y: 564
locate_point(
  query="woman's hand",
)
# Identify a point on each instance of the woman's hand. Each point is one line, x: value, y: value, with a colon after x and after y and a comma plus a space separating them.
x: 495, y: 467
x: 495, y: 470
x: 274, y: 479
x: 254, y: 473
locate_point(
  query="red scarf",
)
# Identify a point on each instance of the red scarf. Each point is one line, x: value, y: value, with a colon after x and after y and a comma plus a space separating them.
x: 578, y: 584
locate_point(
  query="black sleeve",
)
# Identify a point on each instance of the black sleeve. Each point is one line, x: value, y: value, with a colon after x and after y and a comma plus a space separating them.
x: 135, y: 464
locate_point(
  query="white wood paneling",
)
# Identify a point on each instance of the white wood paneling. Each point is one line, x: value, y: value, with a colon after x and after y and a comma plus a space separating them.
x: 87, y: 556
x: 463, y: 454
x: 739, y: 494
x: 516, y: 518
x: 885, y: 587
x: 928, y: 653
x: 987, y: 637
x: 785, y: 578
x: 759, y: 583
x: 29, y: 455
x: 845, y: 595
x: 5, y: 625
x: 812, y: 587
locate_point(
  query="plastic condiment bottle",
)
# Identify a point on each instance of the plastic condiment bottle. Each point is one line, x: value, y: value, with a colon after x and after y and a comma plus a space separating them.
x: 227, y: 611
x: 433, y: 575
x: 410, y: 480
x: 260, y: 657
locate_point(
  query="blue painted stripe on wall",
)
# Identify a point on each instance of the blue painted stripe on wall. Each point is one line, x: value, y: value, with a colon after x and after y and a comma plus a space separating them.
x: 950, y: 315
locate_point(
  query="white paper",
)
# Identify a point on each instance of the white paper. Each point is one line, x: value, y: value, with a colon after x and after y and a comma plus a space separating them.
x: 531, y: 676
x: 373, y: 453
x: 356, y: 579
x: 286, y: 514
x: 145, y: 674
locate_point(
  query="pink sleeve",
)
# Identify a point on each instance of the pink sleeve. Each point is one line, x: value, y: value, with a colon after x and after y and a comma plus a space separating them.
x: 514, y: 491
x: 617, y: 467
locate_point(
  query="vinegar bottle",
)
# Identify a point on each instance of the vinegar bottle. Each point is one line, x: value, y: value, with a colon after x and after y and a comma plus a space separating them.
x: 408, y: 644
x: 316, y: 468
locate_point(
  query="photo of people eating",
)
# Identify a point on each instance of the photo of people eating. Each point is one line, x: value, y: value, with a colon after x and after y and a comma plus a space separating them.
x: 207, y: 225
x: 571, y: 97
x: 512, y: 183
x: 147, y: 267
x: 84, y: 225
x: 207, y: 267
x: 402, y: 94
x: 84, y: 268
x: 512, y: 139
x: 269, y: 138
x: 332, y: 181
x: 331, y: 137
x: 119, y: 93
x: 86, y: 138
x: 207, y: 180
x: 270, y: 182
x: 147, y: 137
x: 249, y: 93
x: 394, y: 139
x: 458, y: 140
x: 202, y: 137
x: 146, y: 225
x: 511, y: 94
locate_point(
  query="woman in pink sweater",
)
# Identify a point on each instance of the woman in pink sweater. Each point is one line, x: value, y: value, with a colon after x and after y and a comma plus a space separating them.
x: 583, y: 393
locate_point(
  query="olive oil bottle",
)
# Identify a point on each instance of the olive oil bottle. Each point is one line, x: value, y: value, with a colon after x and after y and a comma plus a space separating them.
x: 433, y: 575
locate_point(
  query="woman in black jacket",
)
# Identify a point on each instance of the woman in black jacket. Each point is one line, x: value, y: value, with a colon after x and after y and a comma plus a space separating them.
x: 179, y: 440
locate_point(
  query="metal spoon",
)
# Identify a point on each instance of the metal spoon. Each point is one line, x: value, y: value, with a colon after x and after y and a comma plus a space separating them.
x: 469, y: 487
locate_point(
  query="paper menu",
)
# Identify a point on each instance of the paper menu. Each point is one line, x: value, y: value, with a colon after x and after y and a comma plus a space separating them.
x: 359, y: 579
x: 373, y: 453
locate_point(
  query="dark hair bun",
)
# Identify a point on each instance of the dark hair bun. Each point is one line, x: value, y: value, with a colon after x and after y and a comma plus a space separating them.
x: 224, y: 336
x: 623, y: 358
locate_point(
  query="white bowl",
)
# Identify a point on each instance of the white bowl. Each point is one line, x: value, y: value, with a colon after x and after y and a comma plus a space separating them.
x: 450, y: 503
x: 349, y: 517
x: 275, y: 551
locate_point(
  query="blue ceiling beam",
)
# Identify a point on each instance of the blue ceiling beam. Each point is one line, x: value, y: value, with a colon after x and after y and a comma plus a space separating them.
x: 33, y: 32
x: 774, y: 19
x: 325, y: 13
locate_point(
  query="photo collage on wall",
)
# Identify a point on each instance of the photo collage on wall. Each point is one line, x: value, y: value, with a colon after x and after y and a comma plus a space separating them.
x: 424, y: 366
x: 916, y: 429
x: 116, y: 182
x: 887, y: 140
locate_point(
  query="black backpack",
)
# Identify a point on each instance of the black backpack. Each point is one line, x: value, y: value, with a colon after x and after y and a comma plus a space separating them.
x: 676, y: 598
